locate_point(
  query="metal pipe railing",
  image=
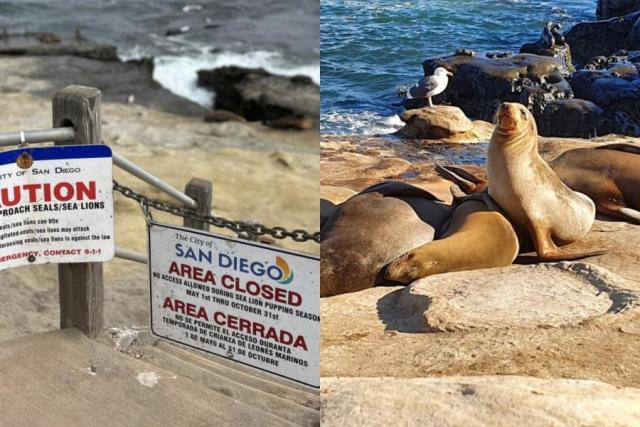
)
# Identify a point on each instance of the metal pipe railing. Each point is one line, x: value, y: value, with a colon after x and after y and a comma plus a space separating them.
x: 68, y: 134
x: 36, y: 136
x: 145, y: 176
x: 131, y: 255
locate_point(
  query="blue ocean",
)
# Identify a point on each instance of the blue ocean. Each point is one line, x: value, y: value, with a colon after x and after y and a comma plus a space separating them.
x: 370, y: 48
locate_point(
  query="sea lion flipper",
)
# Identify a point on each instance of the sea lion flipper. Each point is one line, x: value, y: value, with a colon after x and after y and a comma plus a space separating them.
x: 629, y: 213
x: 393, y: 188
x: 628, y: 148
x: 548, y: 251
x: 464, y: 180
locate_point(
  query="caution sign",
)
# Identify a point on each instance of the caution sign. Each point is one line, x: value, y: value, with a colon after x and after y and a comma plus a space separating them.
x: 56, y: 205
x: 256, y: 304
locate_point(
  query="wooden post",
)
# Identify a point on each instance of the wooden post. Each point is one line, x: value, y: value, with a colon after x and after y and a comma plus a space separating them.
x: 81, y: 285
x: 201, y: 191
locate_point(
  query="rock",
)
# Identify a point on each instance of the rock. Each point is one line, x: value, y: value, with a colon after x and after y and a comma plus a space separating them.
x: 634, y: 36
x: 491, y: 400
x: 291, y: 123
x: 541, y: 295
x: 177, y: 30
x: 570, y: 118
x: 599, y: 38
x: 258, y: 95
x: 551, y: 43
x: 622, y: 63
x: 51, y: 44
x: 610, y: 8
x: 43, y: 74
x: 618, y: 97
x: 438, y: 122
x: 479, y: 85
x: 217, y: 116
x: 334, y: 194
x: 357, y: 170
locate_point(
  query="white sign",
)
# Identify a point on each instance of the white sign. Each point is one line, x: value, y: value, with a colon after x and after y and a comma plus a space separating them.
x: 253, y: 303
x: 56, y: 205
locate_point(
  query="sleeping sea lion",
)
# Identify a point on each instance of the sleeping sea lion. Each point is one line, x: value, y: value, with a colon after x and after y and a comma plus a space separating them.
x: 373, y: 228
x: 477, y: 236
x: 609, y: 175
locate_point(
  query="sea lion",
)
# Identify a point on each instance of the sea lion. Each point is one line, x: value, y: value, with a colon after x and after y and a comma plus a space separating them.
x: 477, y: 236
x: 609, y: 175
x: 529, y: 191
x: 373, y: 228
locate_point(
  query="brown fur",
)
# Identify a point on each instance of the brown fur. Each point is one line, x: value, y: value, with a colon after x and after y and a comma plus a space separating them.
x: 478, y: 236
x: 371, y: 229
x: 535, y: 200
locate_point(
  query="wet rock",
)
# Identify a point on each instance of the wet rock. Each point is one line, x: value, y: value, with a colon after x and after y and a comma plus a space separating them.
x: 177, y: 31
x: 488, y: 400
x: 119, y: 81
x: 610, y: 8
x: 291, y: 123
x: 634, y: 36
x: 570, y: 118
x: 617, y: 96
x: 551, y: 43
x: 479, y: 85
x: 492, y: 55
x: 623, y: 63
x: 217, y: 116
x: 600, y: 38
x: 257, y: 94
x: 30, y: 43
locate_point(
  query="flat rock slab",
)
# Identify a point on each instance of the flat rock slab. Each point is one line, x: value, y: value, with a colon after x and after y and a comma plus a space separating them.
x: 477, y: 401
x: 541, y: 295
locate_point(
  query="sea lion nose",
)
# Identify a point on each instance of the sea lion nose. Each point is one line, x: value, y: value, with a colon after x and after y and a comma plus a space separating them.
x: 507, y: 116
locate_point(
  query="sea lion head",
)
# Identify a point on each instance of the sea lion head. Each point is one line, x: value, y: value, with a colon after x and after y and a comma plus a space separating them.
x: 515, y: 120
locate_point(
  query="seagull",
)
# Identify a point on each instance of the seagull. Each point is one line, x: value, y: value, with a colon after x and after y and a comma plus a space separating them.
x: 430, y: 86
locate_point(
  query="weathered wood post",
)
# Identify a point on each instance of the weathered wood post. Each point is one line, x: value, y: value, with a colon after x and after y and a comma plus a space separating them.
x: 201, y: 191
x: 81, y: 285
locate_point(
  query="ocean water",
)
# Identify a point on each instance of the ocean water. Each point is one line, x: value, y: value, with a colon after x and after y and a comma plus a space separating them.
x: 370, y: 48
x: 281, y: 36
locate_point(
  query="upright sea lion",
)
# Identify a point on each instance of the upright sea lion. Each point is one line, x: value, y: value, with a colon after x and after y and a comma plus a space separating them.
x: 477, y: 236
x: 609, y: 175
x: 373, y: 228
x: 529, y: 191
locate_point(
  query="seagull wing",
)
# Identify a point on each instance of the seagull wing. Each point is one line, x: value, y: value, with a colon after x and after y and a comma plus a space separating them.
x: 423, y: 88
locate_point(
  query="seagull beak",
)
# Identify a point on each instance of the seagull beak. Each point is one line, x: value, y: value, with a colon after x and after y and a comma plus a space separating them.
x: 449, y: 73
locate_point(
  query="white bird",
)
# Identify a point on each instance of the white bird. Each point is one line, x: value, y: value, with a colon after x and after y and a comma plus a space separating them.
x: 430, y: 86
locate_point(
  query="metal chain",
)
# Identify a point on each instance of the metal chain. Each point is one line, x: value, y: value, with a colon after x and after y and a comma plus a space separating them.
x: 236, y: 226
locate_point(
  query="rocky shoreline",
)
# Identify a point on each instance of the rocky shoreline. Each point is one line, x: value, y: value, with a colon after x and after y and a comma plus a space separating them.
x: 476, y: 337
x: 40, y: 63
x: 581, y: 83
